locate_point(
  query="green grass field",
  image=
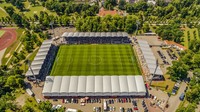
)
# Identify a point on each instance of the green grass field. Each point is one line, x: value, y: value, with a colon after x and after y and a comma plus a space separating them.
x: 31, y: 9
x: 95, y: 60
x: 1, y: 32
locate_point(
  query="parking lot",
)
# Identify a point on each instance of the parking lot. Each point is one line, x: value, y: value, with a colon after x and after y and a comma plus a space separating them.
x: 98, y: 104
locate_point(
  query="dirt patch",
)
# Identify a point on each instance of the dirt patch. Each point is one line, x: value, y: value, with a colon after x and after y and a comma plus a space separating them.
x: 21, y: 99
x: 7, y: 55
x: 8, y: 38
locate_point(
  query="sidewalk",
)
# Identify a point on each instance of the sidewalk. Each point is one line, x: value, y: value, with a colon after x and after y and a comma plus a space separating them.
x: 1, y: 54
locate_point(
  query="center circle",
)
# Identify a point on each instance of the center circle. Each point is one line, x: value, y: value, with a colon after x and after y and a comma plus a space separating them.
x: 95, y: 60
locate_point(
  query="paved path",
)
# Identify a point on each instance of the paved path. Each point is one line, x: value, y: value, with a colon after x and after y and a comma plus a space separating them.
x: 174, y: 100
x: 12, y: 55
x: 3, y: 10
x: 1, y: 54
x: 15, y: 49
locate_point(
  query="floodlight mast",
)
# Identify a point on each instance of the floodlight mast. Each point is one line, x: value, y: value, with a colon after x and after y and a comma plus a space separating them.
x: 154, y: 72
x: 137, y: 23
x: 51, y: 24
x: 29, y: 63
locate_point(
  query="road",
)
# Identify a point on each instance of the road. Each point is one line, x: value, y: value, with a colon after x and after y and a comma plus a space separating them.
x: 174, y: 100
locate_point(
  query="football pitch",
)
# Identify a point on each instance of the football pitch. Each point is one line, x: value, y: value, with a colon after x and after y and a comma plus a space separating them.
x: 100, y: 59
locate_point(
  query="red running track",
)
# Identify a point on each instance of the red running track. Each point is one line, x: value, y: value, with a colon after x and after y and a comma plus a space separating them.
x: 8, y: 38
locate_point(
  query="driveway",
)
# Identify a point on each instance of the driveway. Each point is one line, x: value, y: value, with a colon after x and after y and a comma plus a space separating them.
x: 174, y: 100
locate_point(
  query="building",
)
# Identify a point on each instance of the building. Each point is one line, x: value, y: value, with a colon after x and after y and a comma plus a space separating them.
x: 64, y: 86
x: 175, y: 45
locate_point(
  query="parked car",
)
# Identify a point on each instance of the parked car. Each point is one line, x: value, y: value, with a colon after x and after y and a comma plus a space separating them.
x: 182, y: 96
x: 121, y: 109
x: 174, y: 91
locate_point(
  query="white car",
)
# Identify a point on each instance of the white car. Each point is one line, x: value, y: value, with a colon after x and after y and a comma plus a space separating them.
x: 38, y: 100
x: 58, y: 106
x: 82, y: 104
x: 53, y: 107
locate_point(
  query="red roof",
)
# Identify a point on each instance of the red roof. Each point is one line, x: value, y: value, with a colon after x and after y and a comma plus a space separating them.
x: 175, y: 44
x: 103, y: 12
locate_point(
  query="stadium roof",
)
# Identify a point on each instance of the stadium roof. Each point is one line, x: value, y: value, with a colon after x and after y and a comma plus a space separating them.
x: 94, y: 86
x: 95, y: 34
x: 149, y: 57
x: 39, y: 58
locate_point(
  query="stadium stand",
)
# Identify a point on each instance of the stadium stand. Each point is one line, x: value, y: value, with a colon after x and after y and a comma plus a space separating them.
x: 150, y: 60
x: 63, y: 86
x: 42, y: 61
x: 96, y: 38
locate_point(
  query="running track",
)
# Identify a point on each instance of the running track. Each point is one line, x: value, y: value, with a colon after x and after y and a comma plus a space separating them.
x: 8, y: 38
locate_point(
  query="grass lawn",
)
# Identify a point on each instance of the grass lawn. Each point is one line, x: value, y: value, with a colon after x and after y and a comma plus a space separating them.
x: 12, y: 48
x: 162, y: 84
x: 36, y: 10
x: 191, y: 36
x: 32, y: 9
x: 2, y: 13
x: 100, y: 59
x: 1, y: 32
x: 31, y: 57
x: 3, y: 4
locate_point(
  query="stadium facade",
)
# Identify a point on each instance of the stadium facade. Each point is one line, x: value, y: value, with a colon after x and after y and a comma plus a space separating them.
x: 65, y: 86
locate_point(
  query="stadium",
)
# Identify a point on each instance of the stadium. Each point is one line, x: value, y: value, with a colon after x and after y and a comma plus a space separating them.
x: 88, y: 64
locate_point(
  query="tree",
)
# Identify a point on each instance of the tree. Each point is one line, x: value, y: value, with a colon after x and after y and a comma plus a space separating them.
x: 122, y: 4
x: 193, y: 95
x: 17, y: 19
x: 109, y: 4
x: 14, y: 82
x: 194, y: 45
x: 146, y: 27
x: 27, y: 108
x: 10, y: 10
x: 196, y: 61
x: 170, y: 32
x: 45, y: 106
x: 130, y: 24
x: 20, y: 5
x: 190, y: 108
x: 178, y: 72
x: 32, y: 2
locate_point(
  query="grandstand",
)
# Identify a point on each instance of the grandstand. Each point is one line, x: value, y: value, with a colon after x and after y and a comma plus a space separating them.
x: 96, y: 38
x: 43, y: 60
x: 150, y: 60
x: 64, y: 86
